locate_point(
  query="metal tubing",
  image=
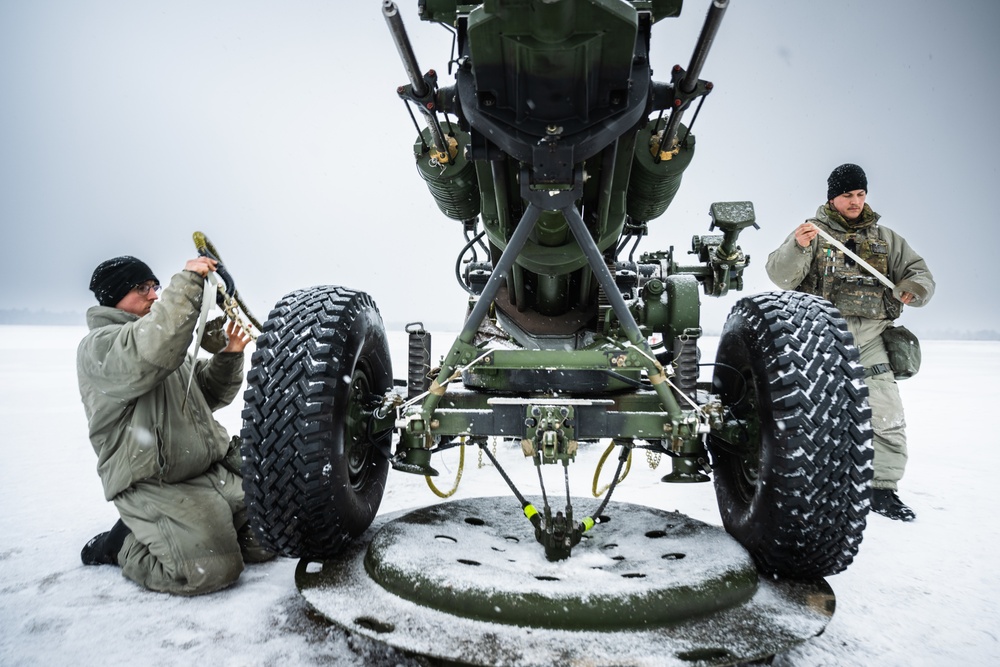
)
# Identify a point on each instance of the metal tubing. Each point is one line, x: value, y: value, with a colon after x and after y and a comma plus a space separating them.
x: 708, y: 32
x: 688, y: 84
x: 604, y: 277
x: 418, y: 85
x: 503, y: 265
x: 486, y: 299
x: 402, y: 41
x: 608, y: 161
x: 618, y: 305
x: 503, y: 473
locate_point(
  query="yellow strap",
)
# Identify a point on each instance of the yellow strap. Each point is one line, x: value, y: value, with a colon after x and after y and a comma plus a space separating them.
x: 458, y: 477
x: 588, y: 523
x: 530, y: 511
x: 600, y: 466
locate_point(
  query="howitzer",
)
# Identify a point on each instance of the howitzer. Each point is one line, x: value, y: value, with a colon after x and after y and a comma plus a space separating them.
x: 562, y: 162
x: 555, y: 149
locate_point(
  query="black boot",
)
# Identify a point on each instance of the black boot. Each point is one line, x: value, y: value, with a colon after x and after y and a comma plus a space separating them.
x: 103, y: 549
x: 887, y: 503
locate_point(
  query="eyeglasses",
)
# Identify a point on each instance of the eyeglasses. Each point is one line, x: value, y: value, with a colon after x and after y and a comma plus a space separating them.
x: 144, y: 288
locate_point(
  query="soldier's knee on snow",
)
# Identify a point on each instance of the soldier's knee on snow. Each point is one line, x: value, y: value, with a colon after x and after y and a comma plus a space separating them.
x: 206, y: 575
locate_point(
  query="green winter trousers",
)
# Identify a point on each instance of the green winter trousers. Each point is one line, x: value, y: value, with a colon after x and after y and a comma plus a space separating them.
x: 187, y: 538
x: 888, y: 421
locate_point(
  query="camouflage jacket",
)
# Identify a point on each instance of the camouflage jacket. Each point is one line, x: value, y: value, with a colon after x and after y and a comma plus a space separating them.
x: 133, y: 374
x: 825, y: 271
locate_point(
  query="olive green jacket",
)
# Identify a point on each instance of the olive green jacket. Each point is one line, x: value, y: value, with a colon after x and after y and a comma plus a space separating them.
x: 133, y: 372
x: 789, y: 264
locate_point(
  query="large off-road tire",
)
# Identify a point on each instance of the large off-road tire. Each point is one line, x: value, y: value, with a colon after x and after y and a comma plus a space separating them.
x: 796, y: 492
x: 313, y: 472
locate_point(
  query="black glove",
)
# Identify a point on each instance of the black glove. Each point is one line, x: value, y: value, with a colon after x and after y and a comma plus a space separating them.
x: 234, y: 459
x: 214, y: 339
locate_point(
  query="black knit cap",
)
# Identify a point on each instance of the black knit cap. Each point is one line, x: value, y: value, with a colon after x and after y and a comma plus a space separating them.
x: 846, y: 178
x: 114, y: 278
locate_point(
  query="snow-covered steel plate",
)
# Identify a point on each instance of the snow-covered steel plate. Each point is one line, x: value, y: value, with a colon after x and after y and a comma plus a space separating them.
x: 466, y: 582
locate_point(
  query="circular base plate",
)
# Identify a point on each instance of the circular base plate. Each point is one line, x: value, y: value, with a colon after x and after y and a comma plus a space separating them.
x: 466, y: 582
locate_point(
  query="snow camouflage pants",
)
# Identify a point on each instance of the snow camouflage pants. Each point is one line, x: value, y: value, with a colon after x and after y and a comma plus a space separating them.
x: 187, y: 538
x: 888, y: 420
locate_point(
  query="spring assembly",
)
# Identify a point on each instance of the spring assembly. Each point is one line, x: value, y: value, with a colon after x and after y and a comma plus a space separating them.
x: 418, y: 360
x: 686, y: 365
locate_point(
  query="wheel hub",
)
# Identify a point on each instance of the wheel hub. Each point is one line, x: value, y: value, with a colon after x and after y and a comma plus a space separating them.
x: 357, y: 431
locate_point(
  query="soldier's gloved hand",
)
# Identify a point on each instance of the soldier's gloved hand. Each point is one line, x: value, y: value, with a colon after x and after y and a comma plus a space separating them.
x: 215, y: 339
x: 234, y: 459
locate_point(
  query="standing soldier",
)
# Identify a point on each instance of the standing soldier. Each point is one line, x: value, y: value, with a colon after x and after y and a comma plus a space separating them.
x: 808, y: 263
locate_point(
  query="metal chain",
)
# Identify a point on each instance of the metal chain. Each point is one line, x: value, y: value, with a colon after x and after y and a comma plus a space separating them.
x: 653, y: 459
x: 494, y: 447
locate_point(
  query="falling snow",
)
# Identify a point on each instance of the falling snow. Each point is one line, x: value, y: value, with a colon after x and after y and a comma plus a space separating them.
x: 923, y: 593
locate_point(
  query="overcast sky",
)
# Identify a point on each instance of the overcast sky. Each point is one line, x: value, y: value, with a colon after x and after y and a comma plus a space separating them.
x: 275, y: 129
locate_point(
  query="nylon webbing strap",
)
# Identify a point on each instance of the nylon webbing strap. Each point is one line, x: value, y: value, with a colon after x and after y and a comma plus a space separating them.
x: 871, y: 269
x: 208, y: 299
x: 877, y: 369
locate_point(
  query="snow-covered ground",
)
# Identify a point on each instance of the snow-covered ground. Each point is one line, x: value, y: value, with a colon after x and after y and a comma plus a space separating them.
x: 924, y: 593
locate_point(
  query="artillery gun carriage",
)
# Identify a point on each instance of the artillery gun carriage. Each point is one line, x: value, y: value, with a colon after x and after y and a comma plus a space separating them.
x: 554, y: 149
